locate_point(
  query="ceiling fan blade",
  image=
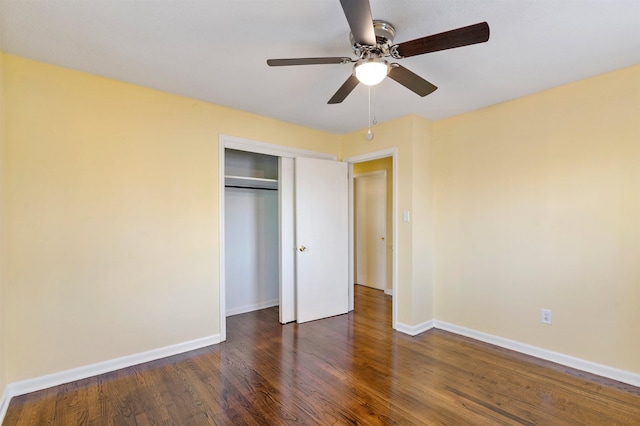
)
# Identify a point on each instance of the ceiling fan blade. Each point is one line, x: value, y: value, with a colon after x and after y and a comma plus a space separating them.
x: 358, y: 13
x: 477, y: 33
x: 307, y: 61
x: 344, y: 90
x: 410, y: 80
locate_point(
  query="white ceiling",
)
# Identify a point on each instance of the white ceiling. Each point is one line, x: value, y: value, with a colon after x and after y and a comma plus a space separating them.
x: 216, y: 50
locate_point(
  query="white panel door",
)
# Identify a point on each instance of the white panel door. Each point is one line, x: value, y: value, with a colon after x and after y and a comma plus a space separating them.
x: 322, y: 260
x: 287, y: 241
x: 370, y: 224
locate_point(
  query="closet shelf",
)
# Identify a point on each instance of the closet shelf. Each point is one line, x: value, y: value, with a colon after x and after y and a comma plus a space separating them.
x: 250, y: 182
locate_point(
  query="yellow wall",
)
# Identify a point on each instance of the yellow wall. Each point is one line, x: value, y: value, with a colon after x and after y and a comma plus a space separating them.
x: 411, y: 136
x: 110, y: 207
x: 423, y: 223
x: 385, y: 164
x: 538, y: 206
x: 112, y: 212
x: 3, y: 345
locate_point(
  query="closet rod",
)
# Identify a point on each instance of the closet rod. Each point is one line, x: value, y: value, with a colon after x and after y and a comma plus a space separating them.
x: 250, y: 187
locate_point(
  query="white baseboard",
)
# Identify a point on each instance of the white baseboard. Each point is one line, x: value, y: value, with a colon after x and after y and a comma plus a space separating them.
x: 4, y: 404
x: 416, y: 329
x: 55, y: 379
x: 251, y: 308
x: 569, y: 361
x: 44, y: 382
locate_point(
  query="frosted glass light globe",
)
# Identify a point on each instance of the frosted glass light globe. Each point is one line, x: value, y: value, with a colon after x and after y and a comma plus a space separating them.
x: 371, y: 71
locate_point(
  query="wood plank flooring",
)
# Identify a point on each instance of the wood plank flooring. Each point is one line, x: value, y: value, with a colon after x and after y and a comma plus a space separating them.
x: 349, y: 369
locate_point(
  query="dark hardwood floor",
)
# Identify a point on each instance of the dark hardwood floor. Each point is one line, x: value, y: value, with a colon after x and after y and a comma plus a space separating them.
x: 350, y: 369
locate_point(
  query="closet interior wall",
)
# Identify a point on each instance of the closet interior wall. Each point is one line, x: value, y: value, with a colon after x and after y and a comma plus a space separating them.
x: 251, y: 231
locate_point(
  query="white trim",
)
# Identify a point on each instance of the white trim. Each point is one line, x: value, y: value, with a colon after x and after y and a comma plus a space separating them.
x: 376, y: 155
x: 569, y: 361
x: 394, y: 252
x: 351, y: 234
x: 221, y: 267
x: 393, y: 153
x: 242, y: 144
x: 4, y: 404
x: 416, y: 329
x: 254, y: 307
x: 55, y: 379
x: 373, y: 173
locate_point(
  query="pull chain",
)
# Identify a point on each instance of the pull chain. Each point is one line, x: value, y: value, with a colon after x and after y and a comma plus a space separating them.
x: 374, y: 106
x: 369, y: 132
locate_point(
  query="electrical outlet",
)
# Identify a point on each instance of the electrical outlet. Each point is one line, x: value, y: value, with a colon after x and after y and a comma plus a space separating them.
x: 545, y: 316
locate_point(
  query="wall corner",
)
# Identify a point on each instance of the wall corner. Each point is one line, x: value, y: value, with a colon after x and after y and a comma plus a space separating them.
x: 423, y: 223
x: 3, y: 281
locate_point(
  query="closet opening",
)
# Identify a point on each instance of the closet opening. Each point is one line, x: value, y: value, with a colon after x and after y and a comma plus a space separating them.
x: 261, y: 186
x: 252, y: 231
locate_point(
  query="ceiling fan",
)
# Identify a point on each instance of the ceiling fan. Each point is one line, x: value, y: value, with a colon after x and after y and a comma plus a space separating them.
x: 372, y: 42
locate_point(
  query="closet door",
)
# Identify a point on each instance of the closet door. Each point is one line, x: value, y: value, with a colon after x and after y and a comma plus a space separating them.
x: 287, y: 241
x: 322, y: 259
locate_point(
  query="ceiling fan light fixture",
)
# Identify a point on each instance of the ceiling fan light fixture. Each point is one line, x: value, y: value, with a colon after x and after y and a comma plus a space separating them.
x: 371, y: 71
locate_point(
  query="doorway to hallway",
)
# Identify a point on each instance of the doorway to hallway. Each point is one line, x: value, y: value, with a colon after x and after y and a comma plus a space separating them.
x: 370, y: 222
x: 380, y: 162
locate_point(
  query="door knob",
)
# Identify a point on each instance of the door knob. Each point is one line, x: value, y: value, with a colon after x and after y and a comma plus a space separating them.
x: 302, y: 248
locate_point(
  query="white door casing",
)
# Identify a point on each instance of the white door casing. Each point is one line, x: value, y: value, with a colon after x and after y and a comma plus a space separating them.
x: 322, y: 229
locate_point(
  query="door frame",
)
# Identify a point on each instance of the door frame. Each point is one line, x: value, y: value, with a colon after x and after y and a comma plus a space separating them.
x: 383, y: 173
x: 241, y: 144
x: 393, y: 153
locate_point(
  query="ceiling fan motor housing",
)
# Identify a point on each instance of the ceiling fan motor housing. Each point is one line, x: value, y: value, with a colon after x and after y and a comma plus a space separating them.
x: 385, y: 33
